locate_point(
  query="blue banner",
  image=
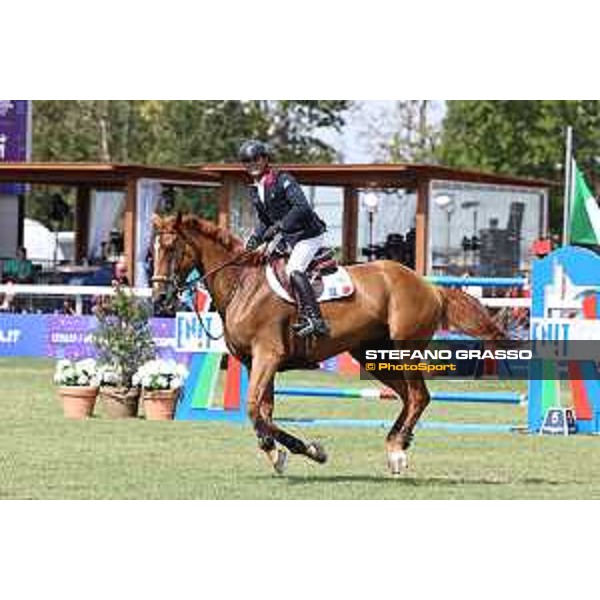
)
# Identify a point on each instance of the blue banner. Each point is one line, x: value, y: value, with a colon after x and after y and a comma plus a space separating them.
x: 22, y: 335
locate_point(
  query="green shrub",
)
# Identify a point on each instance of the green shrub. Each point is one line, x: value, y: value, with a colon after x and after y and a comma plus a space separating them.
x: 123, y: 338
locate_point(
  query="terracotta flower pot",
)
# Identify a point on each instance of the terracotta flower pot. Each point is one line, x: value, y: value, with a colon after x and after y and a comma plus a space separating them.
x: 78, y: 401
x: 159, y: 405
x: 120, y: 403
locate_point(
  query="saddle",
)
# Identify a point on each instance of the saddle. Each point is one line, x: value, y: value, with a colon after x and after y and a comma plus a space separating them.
x: 328, y: 279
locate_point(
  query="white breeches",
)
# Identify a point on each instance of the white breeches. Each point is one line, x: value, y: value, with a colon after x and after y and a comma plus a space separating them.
x: 302, y: 253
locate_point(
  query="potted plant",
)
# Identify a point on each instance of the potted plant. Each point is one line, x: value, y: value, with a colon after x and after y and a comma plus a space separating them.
x: 160, y: 381
x: 78, y: 387
x: 123, y: 340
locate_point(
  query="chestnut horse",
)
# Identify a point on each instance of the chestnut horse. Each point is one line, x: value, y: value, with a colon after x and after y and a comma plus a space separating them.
x: 390, y: 302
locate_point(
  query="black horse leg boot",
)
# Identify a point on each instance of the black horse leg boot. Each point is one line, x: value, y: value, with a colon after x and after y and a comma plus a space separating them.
x: 310, y: 319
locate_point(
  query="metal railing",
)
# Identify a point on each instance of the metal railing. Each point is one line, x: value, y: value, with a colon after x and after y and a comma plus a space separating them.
x: 37, y: 298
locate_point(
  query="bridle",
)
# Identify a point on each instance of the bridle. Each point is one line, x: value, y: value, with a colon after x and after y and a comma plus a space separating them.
x: 178, y: 287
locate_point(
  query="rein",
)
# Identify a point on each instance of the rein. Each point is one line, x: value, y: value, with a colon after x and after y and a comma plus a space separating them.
x: 235, y: 261
x: 232, y: 262
x: 190, y: 284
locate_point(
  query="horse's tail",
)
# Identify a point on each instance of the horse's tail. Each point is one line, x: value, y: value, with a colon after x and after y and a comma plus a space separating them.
x: 463, y: 312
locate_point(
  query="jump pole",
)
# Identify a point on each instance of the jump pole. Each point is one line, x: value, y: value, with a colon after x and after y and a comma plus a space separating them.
x: 386, y: 394
x: 451, y: 281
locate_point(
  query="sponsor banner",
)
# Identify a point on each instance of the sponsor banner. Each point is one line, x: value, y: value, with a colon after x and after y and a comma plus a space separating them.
x: 61, y: 336
x: 163, y: 332
x: 559, y: 330
x: 69, y: 337
x: 22, y: 335
x: 193, y: 335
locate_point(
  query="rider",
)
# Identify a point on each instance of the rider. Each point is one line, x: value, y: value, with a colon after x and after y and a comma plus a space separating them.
x: 281, y: 207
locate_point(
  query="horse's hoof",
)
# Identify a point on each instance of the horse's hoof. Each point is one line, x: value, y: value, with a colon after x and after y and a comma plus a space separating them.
x: 316, y: 452
x: 280, y: 461
x: 397, y: 461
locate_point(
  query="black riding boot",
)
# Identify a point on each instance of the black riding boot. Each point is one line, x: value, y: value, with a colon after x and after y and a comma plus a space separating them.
x: 310, y: 320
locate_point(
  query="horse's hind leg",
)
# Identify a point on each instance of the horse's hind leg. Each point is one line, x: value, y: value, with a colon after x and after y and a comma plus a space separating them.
x: 400, y: 435
x: 411, y: 388
x: 396, y: 453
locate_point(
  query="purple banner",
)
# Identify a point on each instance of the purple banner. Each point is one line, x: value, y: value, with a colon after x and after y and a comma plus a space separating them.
x: 14, y: 138
x: 69, y: 337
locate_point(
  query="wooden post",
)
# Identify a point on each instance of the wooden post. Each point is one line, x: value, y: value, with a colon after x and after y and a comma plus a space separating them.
x: 225, y: 193
x: 21, y: 220
x: 422, y: 216
x: 82, y: 222
x: 129, y: 231
x: 349, y: 225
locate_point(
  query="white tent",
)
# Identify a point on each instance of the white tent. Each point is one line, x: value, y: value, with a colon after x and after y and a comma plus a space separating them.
x: 40, y: 242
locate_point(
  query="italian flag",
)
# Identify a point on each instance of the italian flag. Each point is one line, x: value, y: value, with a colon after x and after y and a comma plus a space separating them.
x: 584, y: 226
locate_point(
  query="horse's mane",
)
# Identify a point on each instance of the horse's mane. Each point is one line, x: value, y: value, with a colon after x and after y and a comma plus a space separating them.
x: 222, y: 236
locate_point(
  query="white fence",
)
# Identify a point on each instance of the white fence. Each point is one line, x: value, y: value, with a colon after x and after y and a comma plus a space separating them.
x: 30, y: 292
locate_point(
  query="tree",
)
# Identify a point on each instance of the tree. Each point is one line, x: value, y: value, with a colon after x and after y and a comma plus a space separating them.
x: 177, y: 132
x: 293, y: 126
x: 522, y: 137
x: 409, y: 131
x: 181, y: 131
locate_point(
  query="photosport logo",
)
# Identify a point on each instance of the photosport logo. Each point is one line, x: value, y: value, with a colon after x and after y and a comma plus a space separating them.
x: 468, y: 359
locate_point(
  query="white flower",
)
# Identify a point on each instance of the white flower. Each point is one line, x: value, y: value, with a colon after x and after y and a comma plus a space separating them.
x: 160, y: 374
x: 62, y: 364
x: 181, y: 371
x: 109, y: 375
x: 89, y: 364
x: 82, y: 373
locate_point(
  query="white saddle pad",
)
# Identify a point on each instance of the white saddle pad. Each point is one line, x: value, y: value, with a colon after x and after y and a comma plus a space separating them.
x: 337, y: 285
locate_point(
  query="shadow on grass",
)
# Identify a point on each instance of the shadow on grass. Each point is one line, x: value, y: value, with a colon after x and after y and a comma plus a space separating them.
x: 414, y: 481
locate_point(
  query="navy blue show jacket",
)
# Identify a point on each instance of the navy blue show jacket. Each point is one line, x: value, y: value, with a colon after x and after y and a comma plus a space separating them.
x: 285, y: 203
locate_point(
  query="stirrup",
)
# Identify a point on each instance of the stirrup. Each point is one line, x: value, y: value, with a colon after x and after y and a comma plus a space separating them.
x: 308, y: 326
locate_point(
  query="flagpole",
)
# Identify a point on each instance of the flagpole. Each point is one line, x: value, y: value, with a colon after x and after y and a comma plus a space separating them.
x: 567, y: 195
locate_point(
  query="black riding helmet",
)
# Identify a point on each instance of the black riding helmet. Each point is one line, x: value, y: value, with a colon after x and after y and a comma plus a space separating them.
x: 251, y: 150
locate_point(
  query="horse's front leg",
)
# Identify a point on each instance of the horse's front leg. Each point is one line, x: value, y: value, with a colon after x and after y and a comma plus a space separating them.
x: 276, y: 456
x: 260, y: 411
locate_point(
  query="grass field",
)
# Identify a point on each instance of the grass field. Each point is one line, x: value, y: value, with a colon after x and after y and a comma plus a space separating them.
x: 43, y: 456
